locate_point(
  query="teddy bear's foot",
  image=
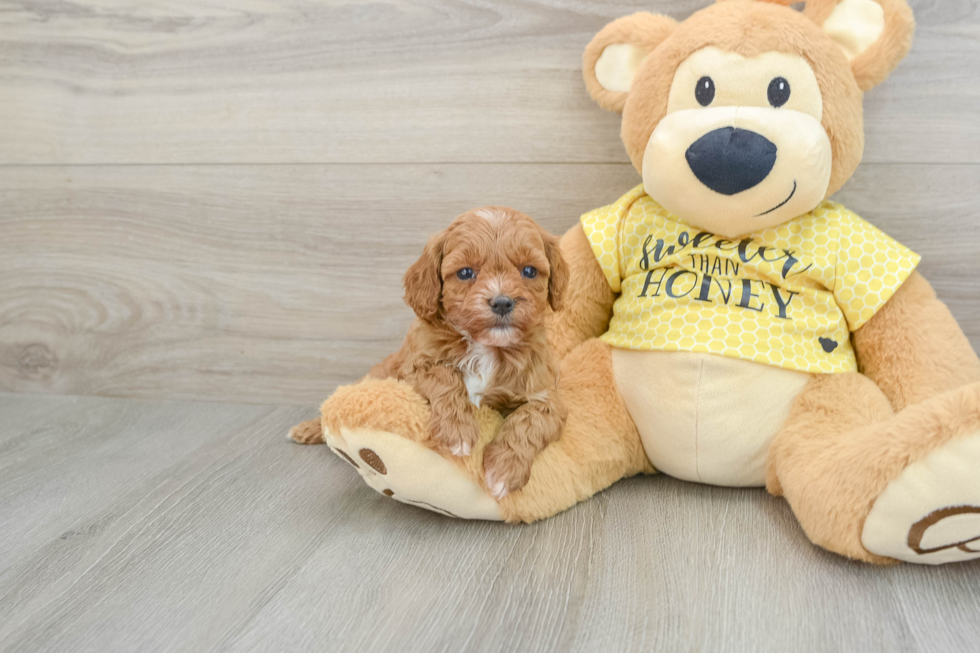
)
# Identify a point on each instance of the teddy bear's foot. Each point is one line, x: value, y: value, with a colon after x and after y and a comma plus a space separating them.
x: 880, y: 486
x: 930, y: 514
x: 412, y: 473
x: 380, y: 427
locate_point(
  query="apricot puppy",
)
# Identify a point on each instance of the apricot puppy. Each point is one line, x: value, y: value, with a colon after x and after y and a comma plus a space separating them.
x: 481, y: 291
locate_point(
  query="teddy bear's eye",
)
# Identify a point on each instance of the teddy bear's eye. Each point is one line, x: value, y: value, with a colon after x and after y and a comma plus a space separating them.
x: 778, y: 92
x: 704, y: 92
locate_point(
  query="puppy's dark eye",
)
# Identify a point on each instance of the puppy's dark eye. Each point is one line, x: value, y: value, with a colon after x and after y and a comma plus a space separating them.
x: 778, y: 92
x: 704, y: 92
x: 529, y: 272
x: 466, y: 274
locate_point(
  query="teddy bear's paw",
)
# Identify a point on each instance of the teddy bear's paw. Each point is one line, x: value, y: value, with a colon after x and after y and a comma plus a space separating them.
x: 409, y: 472
x: 930, y: 514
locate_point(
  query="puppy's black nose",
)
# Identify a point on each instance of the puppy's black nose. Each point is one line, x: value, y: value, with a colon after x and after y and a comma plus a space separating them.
x: 501, y: 305
x: 730, y: 160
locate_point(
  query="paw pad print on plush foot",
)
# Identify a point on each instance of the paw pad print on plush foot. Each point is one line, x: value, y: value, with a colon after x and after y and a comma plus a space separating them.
x: 930, y: 514
x: 374, y: 461
x: 942, y: 529
x: 409, y: 472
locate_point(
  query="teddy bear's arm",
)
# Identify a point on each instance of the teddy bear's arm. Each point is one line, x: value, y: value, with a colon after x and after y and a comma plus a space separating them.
x: 913, y: 349
x: 588, y: 299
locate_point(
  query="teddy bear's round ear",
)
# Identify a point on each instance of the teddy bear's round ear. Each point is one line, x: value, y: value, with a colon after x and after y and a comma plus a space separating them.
x: 874, y: 34
x: 612, y: 58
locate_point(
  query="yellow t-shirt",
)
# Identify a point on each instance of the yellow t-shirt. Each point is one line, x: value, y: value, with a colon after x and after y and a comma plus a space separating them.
x: 787, y: 296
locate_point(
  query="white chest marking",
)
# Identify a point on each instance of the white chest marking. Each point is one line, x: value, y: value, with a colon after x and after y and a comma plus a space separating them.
x: 477, y: 368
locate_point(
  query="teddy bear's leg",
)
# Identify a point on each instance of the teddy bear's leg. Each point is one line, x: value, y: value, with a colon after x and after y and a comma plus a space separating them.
x: 843, y: 451
x: 914, y: 350
x: 875, y: 484
x: 381, y: 428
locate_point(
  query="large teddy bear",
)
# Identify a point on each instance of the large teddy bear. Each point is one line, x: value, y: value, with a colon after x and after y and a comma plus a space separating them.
x: 724, y: 322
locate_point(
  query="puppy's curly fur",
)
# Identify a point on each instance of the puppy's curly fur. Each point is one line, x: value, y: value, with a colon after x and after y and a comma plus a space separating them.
x: 481, y: 290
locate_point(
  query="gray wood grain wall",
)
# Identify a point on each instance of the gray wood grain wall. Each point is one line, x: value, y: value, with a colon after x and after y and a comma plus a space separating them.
x: 217, y: 200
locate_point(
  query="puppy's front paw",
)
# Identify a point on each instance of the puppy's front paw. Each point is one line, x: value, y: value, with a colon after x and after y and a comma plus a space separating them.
x: 458, y: 435
x: 506, y: 471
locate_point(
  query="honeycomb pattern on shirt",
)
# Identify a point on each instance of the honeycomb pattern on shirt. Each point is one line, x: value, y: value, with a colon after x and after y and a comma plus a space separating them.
x: 788, y: 296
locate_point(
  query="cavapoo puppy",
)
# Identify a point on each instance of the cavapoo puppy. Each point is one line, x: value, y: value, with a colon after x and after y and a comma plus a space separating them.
x: 481, y: 290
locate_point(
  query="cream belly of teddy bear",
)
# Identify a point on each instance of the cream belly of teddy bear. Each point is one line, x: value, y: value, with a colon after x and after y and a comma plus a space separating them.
x: 703, y: 417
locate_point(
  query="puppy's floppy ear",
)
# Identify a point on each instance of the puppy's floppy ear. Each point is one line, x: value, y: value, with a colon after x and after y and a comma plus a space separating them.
x: 874, y: 34
x: 558, y: 279
x: 612, y: 58
x: 423, y: 280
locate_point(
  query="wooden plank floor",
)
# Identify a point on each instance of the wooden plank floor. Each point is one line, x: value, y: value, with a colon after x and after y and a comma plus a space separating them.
x: 130, y: 525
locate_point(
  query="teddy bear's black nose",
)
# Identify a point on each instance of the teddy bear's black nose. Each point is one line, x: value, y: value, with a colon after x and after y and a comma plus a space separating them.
x: 729, y: 160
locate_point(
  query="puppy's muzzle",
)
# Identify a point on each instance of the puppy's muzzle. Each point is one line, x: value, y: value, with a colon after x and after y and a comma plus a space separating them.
x: 501, y: 305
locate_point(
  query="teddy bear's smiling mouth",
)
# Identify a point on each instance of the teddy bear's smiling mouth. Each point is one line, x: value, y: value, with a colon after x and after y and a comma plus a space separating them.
x: 791, y: 193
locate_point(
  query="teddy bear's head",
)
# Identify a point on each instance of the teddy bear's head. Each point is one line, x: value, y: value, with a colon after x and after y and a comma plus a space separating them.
x: 748, y: 113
